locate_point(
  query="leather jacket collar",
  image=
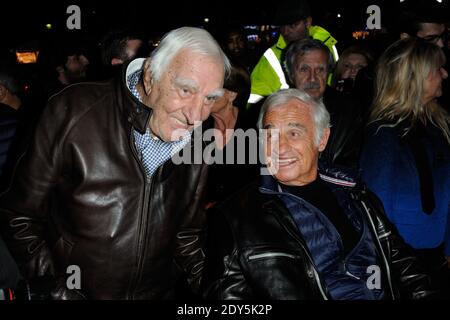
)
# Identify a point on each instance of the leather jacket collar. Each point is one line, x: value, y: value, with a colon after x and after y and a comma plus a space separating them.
x: 137, y: 113
x: 337, y: 176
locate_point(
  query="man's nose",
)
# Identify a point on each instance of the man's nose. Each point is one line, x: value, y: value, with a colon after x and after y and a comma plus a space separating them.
x: 444, y: 73
x: 283, y: 145
x: 312, y: 75
x: 193, y: 111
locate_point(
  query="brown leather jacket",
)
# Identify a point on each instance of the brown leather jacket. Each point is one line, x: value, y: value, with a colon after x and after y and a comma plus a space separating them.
x: 80, y: 196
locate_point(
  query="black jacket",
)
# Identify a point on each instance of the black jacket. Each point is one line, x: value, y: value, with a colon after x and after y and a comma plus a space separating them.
x: 80, y: 196
x: 348, y: 119
x: 256, y: 251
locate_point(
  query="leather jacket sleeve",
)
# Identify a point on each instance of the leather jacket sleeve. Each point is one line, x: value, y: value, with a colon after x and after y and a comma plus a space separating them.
x: 223, y: 277
x: 23, y: 205
x: 407, y: 274
x: 189, y: 252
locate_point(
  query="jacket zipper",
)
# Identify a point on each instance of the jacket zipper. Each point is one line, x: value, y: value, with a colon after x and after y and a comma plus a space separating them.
x: 344, y: 259
x: 388, y: 272
x: 142, y: 235
x: 142, y: 232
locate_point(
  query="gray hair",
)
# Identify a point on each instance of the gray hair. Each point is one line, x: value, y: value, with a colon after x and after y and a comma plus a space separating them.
x: 299, y: 48
x: 195, y: 39
x: 319, y: 112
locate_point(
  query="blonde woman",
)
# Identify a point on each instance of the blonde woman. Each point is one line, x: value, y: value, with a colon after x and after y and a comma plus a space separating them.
x: 406, y: 156
x: 352, y: 60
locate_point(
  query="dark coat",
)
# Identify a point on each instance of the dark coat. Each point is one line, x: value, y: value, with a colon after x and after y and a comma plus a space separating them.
x: 256, y: 251
x: 80, y: 196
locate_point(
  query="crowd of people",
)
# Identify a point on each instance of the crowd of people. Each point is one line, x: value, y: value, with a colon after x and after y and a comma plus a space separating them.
x: 354, y: 203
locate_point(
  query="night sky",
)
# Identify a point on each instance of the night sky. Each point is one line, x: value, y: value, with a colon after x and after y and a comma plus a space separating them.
x: 26, y: 20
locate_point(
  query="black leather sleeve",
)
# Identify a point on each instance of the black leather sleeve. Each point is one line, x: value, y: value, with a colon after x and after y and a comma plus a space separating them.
x: 407, y: 273
x: 223, y: 277
x: 189, y: 251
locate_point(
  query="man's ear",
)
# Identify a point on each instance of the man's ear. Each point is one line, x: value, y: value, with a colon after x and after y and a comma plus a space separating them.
x: 308, y: 22
x: 404, y: 35
x: 147, y: 81
x: 324, y: 139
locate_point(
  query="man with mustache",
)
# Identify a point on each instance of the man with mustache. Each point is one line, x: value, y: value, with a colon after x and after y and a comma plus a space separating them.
x: 308, y: 64
x: 306, y: 231
x: 97, y: 191
x: 296, y: 22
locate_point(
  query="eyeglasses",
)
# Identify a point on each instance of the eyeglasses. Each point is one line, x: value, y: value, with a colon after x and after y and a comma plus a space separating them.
x: 354, y: 67
x: 435, y: 38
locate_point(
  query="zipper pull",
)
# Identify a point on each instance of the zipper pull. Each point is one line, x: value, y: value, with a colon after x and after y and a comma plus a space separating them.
x: 350, y: 274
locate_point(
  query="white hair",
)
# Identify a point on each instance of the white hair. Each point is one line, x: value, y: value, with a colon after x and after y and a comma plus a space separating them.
x: 194, y: 39
x: 319, y: 112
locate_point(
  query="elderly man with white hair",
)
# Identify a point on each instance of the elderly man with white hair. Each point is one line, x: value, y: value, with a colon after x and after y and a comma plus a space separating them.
x: 96, y: 202
x: 306, y: 231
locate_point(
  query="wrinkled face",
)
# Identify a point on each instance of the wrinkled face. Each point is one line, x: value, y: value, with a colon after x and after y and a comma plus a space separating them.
x: 295, y: 31
x: 226, y: 100
x: 292, y: 127
x: 184, y: 94
x: 311, y: 73
x: 352, y: 65
x: 235, y: 43
x: 433, y: 32
x: 433, y: 85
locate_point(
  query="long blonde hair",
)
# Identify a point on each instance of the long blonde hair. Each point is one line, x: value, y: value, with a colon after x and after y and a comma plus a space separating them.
x: 399, y: 85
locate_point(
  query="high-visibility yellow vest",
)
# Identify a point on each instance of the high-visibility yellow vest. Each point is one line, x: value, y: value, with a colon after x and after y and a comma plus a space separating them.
x: 319, y: 33
x: 268, y: 76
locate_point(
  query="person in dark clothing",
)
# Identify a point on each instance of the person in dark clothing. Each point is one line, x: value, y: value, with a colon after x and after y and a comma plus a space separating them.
x: 61, y: 63
x: 306, y: 231
x: 118, y: 47
x: 424, y: 20
x: 427, y: 20
x: 235, y: 44
x: 10, y: 104
x: 98, y: 188
x: 9, y: 272
x: 9, y: 113
x: 230, y: 119
x: 405, y: 159
x: 9, y: 120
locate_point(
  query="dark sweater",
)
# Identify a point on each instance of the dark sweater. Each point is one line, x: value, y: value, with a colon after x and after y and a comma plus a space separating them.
x: 319, y: 195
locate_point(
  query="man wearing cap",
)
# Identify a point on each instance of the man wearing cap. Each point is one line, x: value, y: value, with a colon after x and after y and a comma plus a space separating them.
x: 294, y: 18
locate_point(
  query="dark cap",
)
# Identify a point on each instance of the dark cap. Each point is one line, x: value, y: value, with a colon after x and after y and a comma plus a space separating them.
x: 290, y: 11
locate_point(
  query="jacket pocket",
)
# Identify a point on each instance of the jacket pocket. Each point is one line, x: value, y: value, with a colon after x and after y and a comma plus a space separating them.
x: 269, y: 255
